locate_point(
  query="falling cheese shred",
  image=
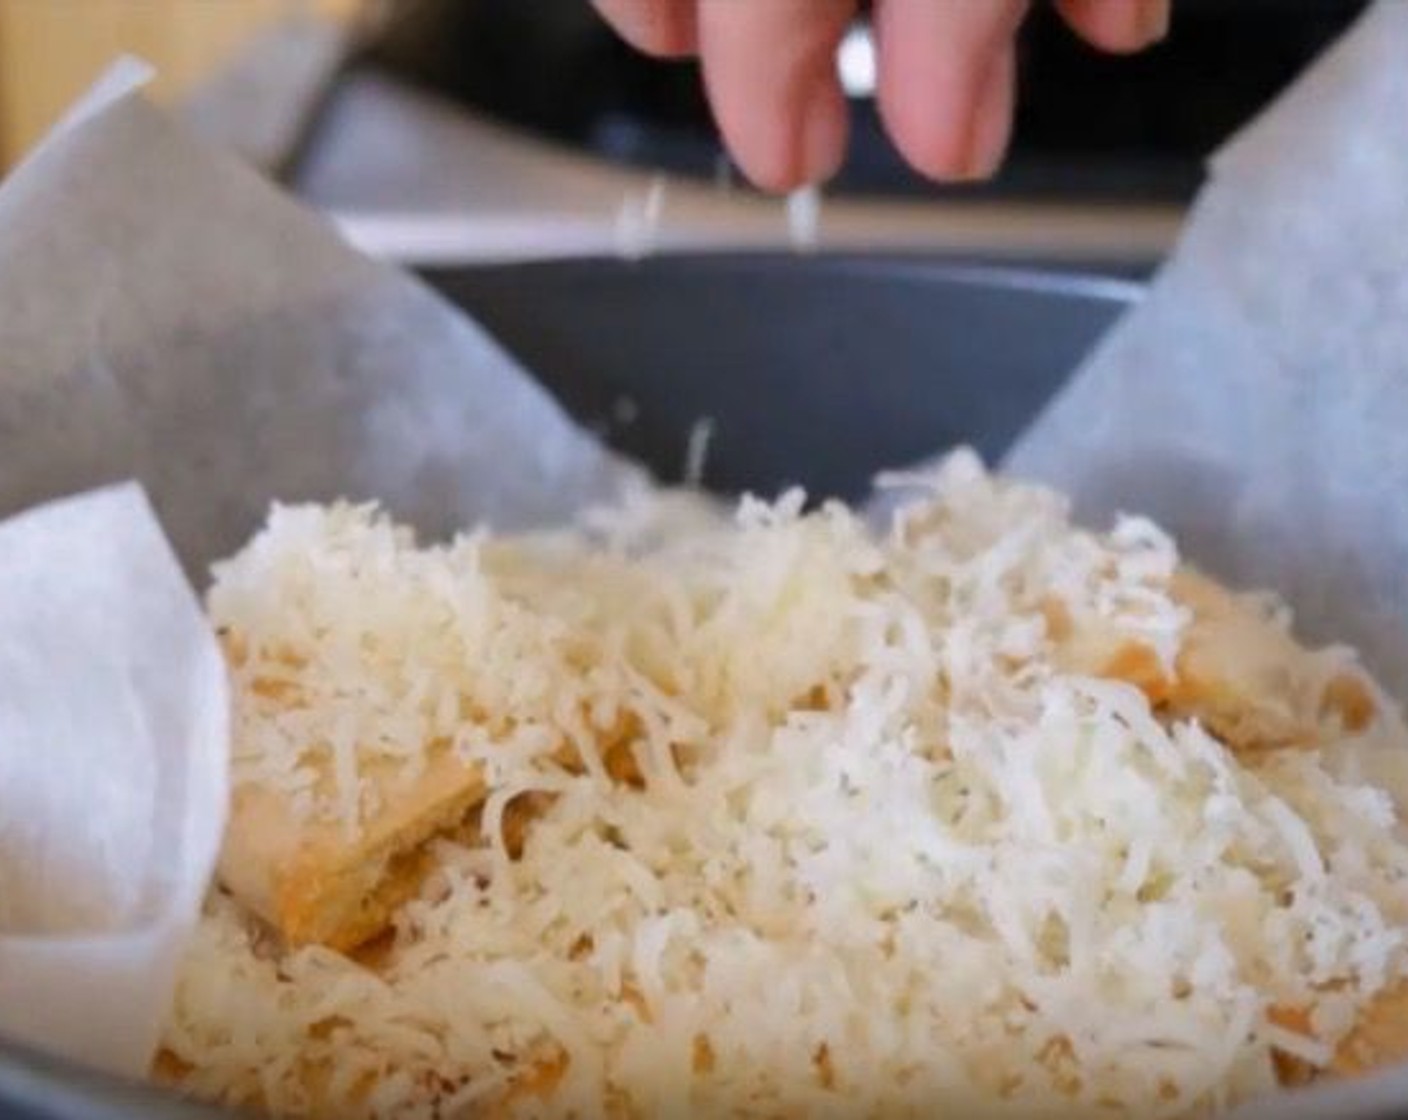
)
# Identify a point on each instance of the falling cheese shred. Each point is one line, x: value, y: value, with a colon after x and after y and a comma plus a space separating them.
x: 783, y: 818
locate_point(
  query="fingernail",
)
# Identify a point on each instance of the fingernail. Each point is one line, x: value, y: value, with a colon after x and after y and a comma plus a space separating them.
x: 1154, y: 16
x: 992, y: 120
x: 824, y: 135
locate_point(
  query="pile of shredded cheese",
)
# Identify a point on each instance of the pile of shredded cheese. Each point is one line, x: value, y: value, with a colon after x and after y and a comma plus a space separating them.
x: 811, y: 824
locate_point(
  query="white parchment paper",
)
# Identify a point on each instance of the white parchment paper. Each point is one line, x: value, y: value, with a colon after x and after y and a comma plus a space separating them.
x: 113, y: 771
x: 1256, y: 403
x: 167, y: 315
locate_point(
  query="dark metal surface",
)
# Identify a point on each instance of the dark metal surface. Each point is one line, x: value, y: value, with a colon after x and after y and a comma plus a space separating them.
x: 815, y: 370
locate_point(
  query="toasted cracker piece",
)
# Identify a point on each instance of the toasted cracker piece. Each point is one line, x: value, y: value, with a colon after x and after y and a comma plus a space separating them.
x: 1378, y: 1040
x: 1239, y: 672
x: 313, y: 884
x: 1292, y: 1071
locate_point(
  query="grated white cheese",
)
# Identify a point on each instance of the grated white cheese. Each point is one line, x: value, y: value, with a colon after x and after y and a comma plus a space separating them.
x: 638, y: 220
x: 696, y: 454
x: 804, y: 218
x: 883, y: 858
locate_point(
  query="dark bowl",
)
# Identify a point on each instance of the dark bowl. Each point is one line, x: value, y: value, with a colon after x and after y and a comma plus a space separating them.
x: 817, y: 371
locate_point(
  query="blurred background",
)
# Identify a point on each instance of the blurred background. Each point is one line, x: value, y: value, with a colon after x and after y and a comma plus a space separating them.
x: 437, y: 131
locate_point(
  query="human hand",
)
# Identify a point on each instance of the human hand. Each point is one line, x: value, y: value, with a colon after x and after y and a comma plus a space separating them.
x: 947, y: 72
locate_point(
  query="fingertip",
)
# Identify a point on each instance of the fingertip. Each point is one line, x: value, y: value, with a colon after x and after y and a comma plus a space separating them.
x: 770, y: 70
x: 665, y: 29
x: 764, y: 170
x: 807, y: 146
x: 1118, y: 26
x: 946, y: 80
x: 970, y: 146
x: 929, y: 147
